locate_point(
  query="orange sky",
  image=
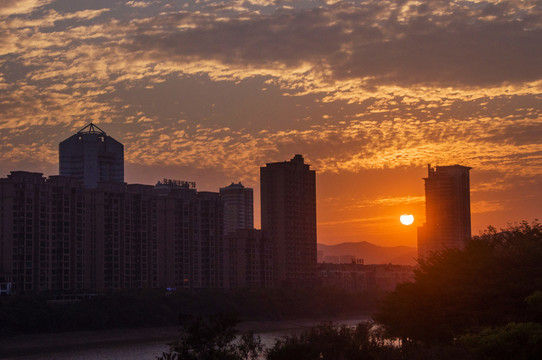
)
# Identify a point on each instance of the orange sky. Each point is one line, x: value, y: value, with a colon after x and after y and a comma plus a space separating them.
x: 369, y: 92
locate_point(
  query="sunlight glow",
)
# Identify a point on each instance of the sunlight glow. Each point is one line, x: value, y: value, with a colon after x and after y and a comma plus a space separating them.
x: 406, y: 219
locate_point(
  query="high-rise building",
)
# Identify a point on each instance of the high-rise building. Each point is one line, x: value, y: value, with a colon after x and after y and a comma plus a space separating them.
x: 238, y: 208
x: 288, y: 211
x: 209, y: 241
x: 175, y: 225
x: 248, y: 259
x: 58, y: 237
x: 447, y: 209
x: 41, y: 232
x: 92, y: 156
x: 120, y: 240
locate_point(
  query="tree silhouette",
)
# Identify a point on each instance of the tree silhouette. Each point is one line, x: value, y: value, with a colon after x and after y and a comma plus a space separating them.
x: 456, y: 291
x: 212, y: 338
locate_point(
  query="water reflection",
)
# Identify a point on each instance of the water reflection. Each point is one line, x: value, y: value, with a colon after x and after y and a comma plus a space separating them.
x: 267, y: 330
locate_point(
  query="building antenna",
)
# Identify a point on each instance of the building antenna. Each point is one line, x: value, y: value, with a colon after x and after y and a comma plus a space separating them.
x: 92, y: 129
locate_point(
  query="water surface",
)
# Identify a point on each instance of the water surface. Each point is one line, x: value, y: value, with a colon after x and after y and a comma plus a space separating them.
x: 134, y: 344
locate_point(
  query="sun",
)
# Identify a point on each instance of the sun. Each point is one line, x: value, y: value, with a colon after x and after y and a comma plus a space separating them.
x: 406, y: 219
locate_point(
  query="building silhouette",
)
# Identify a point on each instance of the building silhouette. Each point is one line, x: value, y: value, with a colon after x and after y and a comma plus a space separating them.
x: 190, y: 247
x: 356, y: 277
x: 288, y: 213
x: 447, y: 209
x: 41, y: 237
x: 58, y: 237
x: 120, y: 238
x: 86, y: 231
x: 248, y: 252
x: 92, y: 156
x: 249, y: 259
x: 238, y: 207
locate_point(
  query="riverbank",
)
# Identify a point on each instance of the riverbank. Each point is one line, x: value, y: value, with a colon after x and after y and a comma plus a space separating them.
x: 21, y: 346
x: 36, y: 314
x: 26, y: 345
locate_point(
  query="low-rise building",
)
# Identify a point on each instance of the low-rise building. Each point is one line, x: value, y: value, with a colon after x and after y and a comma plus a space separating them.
x: 356, y: 277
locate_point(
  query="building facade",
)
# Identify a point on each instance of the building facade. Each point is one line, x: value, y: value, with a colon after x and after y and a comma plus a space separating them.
x: 447, y: 209
x: 249, y: 259
x: 58, y: 237
x: 41, y: 232
x: 92, y: 156
x: 288, y: 212
x: 238, y: 207
x: 86, y: 231
x: 120, y: 238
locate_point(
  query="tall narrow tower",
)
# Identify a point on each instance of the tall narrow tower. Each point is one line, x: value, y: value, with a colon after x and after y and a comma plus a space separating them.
x: 288, y: 210
x: 447, y: 209
x: 92, y: 156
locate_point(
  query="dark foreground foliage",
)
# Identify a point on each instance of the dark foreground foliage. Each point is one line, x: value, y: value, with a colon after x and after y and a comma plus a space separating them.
x: 520, y: 341
x: 128, y: 309
x: 213, y: 338
x: 328, y: 341
x: 485, y: 298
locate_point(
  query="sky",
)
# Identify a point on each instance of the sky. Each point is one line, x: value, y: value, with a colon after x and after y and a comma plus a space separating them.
x: 369, y: 92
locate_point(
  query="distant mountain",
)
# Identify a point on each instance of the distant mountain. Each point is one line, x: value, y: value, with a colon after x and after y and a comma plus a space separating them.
x: 371, y: 253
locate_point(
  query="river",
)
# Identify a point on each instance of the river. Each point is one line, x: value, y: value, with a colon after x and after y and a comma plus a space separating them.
x: 133, y: 344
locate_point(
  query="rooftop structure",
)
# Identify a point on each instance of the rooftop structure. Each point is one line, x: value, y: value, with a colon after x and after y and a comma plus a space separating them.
x: 92, y: 156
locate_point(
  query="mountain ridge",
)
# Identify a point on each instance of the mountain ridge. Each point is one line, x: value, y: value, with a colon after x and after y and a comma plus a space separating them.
x: 372, y: 253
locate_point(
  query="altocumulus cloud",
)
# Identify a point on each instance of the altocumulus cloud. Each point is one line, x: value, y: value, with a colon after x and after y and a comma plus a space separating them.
x: 379, y: 83
x: 378, y: 43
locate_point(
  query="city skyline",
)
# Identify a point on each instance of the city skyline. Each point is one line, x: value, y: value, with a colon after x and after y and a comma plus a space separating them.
x: 369, y: 92
x: 88, y: 230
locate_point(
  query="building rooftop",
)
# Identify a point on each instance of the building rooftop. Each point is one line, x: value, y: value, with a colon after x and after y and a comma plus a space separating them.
x: 91, y: 128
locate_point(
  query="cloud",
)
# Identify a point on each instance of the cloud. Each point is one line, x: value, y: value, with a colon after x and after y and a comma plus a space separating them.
x: 400, y: 200
x: 221, y: 88
x: 138, y: 4
x: 19, y: 7
x: 479, y: 207
x: 379, y: 84
x: 354, y: 203
x: 365, y: 222
x: 375, y: 44
x: 356, y: 146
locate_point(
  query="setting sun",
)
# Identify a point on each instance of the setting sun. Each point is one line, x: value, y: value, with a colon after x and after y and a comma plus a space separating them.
x: 406, y: 219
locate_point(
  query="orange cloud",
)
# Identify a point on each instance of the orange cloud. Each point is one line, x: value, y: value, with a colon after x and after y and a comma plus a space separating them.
x: 13, y: 7
x: 479, y: 207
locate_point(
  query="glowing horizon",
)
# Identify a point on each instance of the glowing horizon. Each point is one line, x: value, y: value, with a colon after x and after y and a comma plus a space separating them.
x: 369, y: 92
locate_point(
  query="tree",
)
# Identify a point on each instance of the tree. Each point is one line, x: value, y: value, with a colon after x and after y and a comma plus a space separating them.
x: 332, y: 342
x: 213, y: 338
x: 514, y: 341
x: 456, y: 291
